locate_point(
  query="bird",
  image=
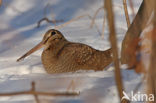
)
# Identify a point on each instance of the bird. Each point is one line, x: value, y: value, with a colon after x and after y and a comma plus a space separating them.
x: 61, y: 56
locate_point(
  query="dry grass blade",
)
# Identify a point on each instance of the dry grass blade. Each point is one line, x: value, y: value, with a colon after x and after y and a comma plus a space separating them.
x: 77, y: 18
x: 103, y: 26
x: 36, y: 94
x: 126, y: 13
x: 110, y: 17
x: 93, y: 19
x: 49, y: 21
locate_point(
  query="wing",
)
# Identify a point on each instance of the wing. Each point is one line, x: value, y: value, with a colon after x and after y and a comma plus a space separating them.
x: 85, y: 57
x: 82, y: 54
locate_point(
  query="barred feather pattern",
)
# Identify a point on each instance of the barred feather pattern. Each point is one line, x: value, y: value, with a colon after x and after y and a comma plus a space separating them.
x: 71, y: 57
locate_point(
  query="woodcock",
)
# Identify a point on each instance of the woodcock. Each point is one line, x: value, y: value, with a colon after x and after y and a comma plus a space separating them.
x: 60, y: 55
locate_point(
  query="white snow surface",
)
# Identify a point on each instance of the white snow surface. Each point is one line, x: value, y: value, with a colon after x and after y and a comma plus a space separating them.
x: 18, y: 34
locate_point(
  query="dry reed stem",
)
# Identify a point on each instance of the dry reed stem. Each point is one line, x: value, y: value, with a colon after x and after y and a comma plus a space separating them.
x: 113, y: 41
x: 32, y: 91
x: 40, y: 93
x: 151, y: 80
x: 126, y: 13
x: 49, y: 21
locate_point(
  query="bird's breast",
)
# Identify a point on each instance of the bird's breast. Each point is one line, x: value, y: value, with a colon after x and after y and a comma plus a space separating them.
x: 58, y: 64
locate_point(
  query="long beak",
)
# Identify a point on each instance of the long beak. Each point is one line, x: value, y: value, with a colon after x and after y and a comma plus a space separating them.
x: 37, y: 47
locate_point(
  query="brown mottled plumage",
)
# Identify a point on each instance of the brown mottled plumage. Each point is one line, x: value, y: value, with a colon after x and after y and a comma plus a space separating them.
x: 61, y: 55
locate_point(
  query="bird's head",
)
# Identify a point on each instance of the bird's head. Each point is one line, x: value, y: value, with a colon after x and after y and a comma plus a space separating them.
x: 51, y: 37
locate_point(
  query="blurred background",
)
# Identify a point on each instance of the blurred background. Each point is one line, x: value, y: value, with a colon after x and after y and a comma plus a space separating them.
x: 20, y: 31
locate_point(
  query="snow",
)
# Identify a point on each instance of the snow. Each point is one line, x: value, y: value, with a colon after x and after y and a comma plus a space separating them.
x: 19, y: 33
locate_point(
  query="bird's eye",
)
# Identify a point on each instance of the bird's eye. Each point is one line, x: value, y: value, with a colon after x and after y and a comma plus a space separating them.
x: 53, y: 33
